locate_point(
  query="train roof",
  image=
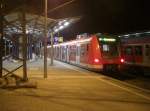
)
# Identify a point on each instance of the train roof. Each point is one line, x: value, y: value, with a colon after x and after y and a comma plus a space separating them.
x: 85, y: 38
x: 135, y: 35
x: 74, y: 41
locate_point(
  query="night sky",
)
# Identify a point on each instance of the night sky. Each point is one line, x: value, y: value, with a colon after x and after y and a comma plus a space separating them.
x: 103, y: 16
x: 111, y: 17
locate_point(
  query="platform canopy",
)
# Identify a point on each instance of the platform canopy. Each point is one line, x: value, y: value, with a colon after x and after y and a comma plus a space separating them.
x: 34, y: 23
x: 35, y: 16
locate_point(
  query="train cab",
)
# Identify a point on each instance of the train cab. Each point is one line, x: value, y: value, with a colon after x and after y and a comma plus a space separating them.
x: 110, y: 51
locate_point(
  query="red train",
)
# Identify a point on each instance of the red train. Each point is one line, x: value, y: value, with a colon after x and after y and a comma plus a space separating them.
x: 136, y: 52
x: 97, y: 52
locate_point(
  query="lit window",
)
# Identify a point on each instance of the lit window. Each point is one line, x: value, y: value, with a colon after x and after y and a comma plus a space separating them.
x: 105, y: 48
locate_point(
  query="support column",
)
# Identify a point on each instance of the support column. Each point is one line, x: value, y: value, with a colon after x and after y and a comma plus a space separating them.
x: 1, y: 38
x: 9, y: 48
x: 45, y: 42
x: 24, y: 44
x: 52, y: 48
x: 5, y: 47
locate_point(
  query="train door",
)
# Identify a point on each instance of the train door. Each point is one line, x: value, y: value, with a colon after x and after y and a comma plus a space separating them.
x: 64, y: 53
x: 147, y: 55
x: 128, y: 54
x: 67, y: 53
x: 72, y: 54
x: 78, y: 55
x: 58, y: 53
x: 61, y: 53
x: 138, y: 54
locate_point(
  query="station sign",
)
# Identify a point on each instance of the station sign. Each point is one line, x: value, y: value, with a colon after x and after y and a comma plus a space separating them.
x: 58, y: 40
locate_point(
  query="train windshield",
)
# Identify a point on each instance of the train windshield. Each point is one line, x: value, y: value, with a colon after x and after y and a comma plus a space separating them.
x: 109, y: 50
x: 109, y: 47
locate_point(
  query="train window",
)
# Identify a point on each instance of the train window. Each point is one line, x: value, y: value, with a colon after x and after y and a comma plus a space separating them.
x: 128, y: 50
x: 105, y: 47
x: 72, y: 51
x: 147, y: 50
x: 82, y: 50
x: 138, y: 50
x: 109, y: 50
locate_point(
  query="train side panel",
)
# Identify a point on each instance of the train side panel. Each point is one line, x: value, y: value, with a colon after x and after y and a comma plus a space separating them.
x: 72, y: 54
x: 85, y: 52
x: 136, y: 53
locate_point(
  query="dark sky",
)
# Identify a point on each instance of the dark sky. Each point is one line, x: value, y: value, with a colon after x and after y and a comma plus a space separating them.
x: 104, y: 16
x: 110, y: 16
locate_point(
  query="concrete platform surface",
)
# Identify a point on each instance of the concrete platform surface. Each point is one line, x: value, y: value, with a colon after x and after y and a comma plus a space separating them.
x: 69, y: 88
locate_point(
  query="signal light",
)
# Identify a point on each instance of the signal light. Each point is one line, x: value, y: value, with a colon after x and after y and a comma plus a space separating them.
x: 122, y: 60
x: 96, y: 60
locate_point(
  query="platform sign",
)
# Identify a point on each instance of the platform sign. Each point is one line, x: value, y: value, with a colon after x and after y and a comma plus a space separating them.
x: 58, y: 40
x: 55, y: 39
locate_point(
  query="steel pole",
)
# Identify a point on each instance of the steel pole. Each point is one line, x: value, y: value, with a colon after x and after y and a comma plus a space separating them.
x: 5, y: 48
x: 24, y: 44
x: 45, y: 42
x: 1, y: 38
x: 9, y: 48
x: 52, y: 48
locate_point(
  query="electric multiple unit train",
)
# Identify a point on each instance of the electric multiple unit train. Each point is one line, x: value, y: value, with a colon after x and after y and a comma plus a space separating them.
x: 136, y: 52
x: 96, y: 52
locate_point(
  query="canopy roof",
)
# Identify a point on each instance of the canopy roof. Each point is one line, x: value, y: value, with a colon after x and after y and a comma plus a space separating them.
x: 34, y: 16
x: 34, y: 23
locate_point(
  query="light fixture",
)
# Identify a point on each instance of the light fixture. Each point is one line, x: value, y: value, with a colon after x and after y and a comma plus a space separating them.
x: 56, y: 30
x: 107, y: 39
x: 126, y: 35
x: 61, y: 27
x: 66, y: 23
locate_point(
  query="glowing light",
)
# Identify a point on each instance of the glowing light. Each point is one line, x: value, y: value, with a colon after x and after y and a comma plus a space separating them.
x: 147, y: 32
x: 27, y: 31
x: 122, y: 60
x: 127, y: 35
x: 66, y: 23
x: 78, y: 45
x: 107, y: 39
x: 61, y: 27
x: 60, y: 23
x: 96, y: 60
x: 56, y: 30
x: 73, y: 42
x: 137, y: 33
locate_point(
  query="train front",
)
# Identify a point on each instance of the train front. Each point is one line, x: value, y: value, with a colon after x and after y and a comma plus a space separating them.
x: 110, y: 52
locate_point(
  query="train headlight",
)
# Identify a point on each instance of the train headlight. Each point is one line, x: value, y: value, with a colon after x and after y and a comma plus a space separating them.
x: 122, y: 60
x: 96, y: 60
